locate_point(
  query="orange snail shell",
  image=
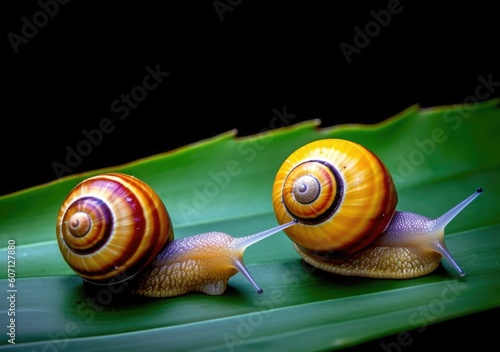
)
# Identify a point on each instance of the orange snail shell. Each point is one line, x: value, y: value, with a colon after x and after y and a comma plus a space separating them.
x: 112, y: 226
x: 340, y: 192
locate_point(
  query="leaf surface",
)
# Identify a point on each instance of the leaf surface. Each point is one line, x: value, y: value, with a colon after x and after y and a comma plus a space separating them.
x: 437, y: 157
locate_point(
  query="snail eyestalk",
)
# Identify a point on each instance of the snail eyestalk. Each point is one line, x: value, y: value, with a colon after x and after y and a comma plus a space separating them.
x: 446, y: 218
x: 441, y: 222
x: 243, y: 242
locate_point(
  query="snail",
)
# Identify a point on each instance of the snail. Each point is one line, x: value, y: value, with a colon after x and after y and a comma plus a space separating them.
x: 113, y: 228
x: 344, y: 200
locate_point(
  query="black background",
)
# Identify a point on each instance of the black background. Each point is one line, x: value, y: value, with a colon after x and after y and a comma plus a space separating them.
x: 229, y: 73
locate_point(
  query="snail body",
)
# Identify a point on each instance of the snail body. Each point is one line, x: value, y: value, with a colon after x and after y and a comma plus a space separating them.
x: 344, y: 200
x: 113, y: 228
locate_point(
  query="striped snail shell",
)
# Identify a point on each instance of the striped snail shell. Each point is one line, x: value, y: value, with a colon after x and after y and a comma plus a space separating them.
x: 111, y: 226
x: 344, y: 200
x: 114, y: 228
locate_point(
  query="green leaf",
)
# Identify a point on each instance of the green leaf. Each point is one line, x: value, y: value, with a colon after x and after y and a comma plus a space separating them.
x: 437, y: 156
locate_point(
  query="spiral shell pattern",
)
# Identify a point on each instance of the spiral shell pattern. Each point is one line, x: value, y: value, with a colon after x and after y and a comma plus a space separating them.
x: 111, y: 226
x: 340, y: 192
